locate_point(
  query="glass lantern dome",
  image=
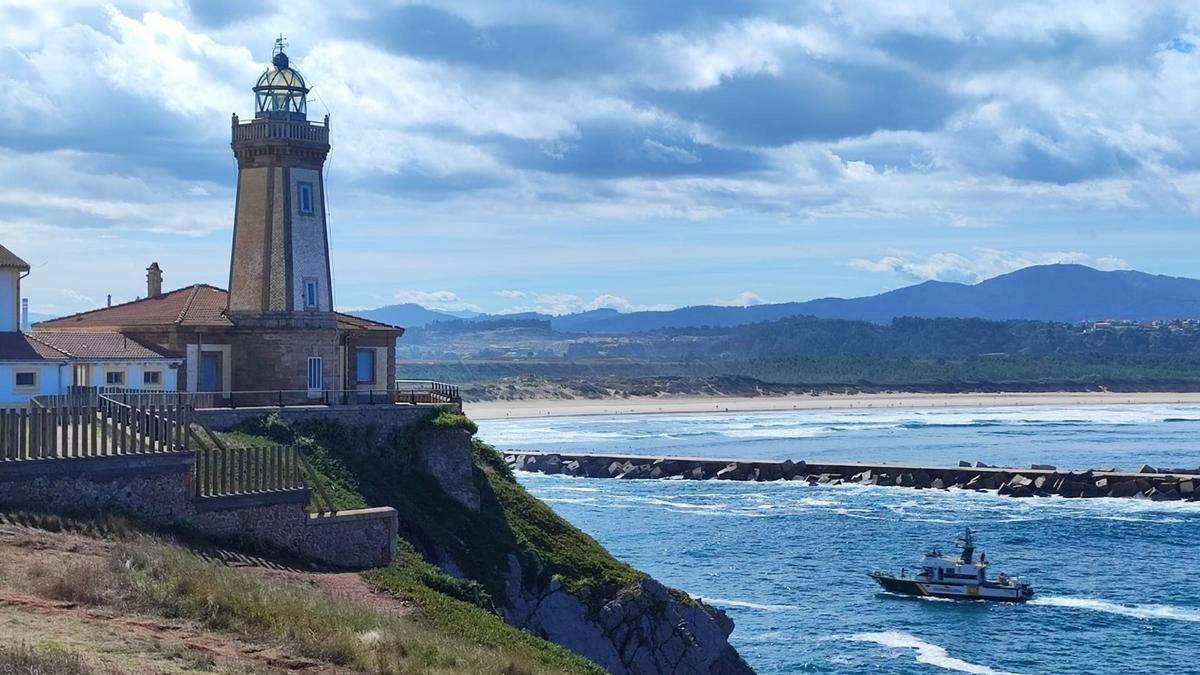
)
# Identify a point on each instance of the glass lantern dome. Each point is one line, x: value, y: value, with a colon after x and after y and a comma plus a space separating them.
x: 281, y: 91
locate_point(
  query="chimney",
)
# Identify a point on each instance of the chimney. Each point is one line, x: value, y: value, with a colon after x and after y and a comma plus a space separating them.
x: 109, y: 300
x: 24, y: 313
x: 153, y: 280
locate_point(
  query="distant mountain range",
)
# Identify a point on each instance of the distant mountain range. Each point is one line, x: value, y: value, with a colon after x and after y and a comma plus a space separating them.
x: 1067, y: 293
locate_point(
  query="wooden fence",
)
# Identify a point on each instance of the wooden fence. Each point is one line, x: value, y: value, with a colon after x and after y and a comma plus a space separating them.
x: 89, y: 425
x: 248, y: 470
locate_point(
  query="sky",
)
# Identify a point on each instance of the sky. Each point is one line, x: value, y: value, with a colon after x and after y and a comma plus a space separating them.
x: 568, y: 155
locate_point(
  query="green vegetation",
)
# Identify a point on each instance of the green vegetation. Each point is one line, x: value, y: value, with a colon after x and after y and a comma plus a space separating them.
x: 485, y: 380
x: 809, y: 354
x: 510, y: 523
x: 452, y: 420
x: 441, y: 635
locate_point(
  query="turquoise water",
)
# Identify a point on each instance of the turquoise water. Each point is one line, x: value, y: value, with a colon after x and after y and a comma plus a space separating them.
x: 1116, y: 579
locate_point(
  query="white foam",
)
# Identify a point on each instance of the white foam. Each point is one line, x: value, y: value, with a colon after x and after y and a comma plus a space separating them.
x: 750, y: 605
x: 929, y: 654
x: 1135, y: 611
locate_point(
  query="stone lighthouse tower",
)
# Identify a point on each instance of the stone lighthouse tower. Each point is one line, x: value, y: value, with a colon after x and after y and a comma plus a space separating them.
x: 285, y: 333
x: 279, y: 273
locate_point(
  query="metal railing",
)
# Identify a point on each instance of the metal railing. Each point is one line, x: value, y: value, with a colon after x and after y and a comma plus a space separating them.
x: 285, y: 130
x: 411, y: 392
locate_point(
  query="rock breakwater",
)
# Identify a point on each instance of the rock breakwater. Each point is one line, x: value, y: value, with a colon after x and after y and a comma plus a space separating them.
x: 1039, y: 480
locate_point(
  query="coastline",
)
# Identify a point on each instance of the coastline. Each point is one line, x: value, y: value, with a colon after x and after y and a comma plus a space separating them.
x: 699, y: 404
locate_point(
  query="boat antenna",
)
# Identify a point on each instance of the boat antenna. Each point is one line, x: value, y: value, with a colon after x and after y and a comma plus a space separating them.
x: 968, y: 546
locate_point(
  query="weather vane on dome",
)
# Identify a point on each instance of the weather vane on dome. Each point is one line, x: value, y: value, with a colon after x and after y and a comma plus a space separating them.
x: 277, y: 56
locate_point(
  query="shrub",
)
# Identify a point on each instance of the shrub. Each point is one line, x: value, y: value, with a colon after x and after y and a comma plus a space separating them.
x: 452, y: 420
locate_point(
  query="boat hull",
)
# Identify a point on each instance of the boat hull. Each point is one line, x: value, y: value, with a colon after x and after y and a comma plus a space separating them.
x: 920, y: 589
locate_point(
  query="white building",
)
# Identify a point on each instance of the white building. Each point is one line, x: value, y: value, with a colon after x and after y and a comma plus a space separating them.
x: 49, y: 363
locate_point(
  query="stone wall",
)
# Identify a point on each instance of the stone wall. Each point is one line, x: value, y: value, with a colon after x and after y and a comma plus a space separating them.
x: 158, y: 488
x: 382, y: 416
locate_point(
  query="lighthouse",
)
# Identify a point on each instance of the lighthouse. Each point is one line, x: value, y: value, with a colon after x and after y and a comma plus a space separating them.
x: 279, y: 271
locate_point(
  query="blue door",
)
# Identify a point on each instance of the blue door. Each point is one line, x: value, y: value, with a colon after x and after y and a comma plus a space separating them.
x: 209, y: 379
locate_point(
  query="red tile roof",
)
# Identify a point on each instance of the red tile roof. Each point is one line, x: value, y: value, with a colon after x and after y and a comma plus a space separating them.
x: 10, y: 259
x: 96, y: 345
x: 20, y: 347
x: 198, y: 305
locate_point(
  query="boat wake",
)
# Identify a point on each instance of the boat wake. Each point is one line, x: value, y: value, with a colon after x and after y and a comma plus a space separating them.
x: 721, y: 602
x: 1135, y: 611
x: 927, y: 653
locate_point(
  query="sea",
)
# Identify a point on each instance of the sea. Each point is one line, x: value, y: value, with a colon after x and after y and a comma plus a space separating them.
x: 1117, y: 581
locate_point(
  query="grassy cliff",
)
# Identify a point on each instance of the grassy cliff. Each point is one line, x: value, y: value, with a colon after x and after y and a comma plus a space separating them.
x: 362, y: 465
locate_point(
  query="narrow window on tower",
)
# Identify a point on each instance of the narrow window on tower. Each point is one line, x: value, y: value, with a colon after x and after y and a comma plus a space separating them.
x: 315, y: 380
x: 305, y: 198
x: 310, y: 294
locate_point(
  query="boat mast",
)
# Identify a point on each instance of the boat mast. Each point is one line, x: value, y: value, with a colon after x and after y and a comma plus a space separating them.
x: 968, y: 547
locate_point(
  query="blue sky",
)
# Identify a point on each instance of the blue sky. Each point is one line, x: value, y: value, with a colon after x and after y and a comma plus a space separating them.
x: 568, y: 155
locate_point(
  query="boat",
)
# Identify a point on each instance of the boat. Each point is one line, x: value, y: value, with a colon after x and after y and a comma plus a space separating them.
x: 955, y: 577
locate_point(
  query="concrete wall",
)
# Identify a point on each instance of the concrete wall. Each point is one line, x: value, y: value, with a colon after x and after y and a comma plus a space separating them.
x: 158, y: 487
x: 52, y: 378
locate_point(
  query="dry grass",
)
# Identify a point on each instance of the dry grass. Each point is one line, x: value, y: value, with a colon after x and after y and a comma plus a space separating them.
x: 166, y: 580
x: 23, y: 659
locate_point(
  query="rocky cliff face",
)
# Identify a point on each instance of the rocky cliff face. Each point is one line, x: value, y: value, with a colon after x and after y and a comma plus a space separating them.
x: 642, y: 631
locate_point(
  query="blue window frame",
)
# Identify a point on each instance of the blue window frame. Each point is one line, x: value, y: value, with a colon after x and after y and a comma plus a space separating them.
x: 364, y: 366
x: 316, y: 381
x: 305, y: 198
x: 310, y: 293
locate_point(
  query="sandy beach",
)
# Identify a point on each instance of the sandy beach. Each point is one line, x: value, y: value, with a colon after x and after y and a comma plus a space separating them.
x: 656, y: 405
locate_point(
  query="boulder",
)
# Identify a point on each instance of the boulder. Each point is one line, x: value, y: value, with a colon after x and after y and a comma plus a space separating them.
x: 906, y: 480
x: 1122, y: 488
x: 1020, y: 481
x: 1041, y: 483
x: 732, y: 471
x: 1146, y: 468
x: 981, y: 465
x: 696, y: 473
x: 938, y: 484
x: 572, y: 468
x: 963, y: 463
x: 1187, y: 487
x: 1021, y: 491
x: 1043, y: 467
x: 551, y: 464
x: 768, y: 471
x: 975, y: 482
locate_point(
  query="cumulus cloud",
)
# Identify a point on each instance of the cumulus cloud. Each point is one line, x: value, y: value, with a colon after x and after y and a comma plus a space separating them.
x: 979, y: 265
x: 569, y: 303
x: 743, y: 299
x: 867, y: 118
x: 447, y: 300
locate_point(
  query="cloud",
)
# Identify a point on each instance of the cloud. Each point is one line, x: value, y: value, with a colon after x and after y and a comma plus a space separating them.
x: 447, y: 300
x: 512, y: 294
x: 569, y: 303
x: 980, y: 265
x: 743, y: 299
